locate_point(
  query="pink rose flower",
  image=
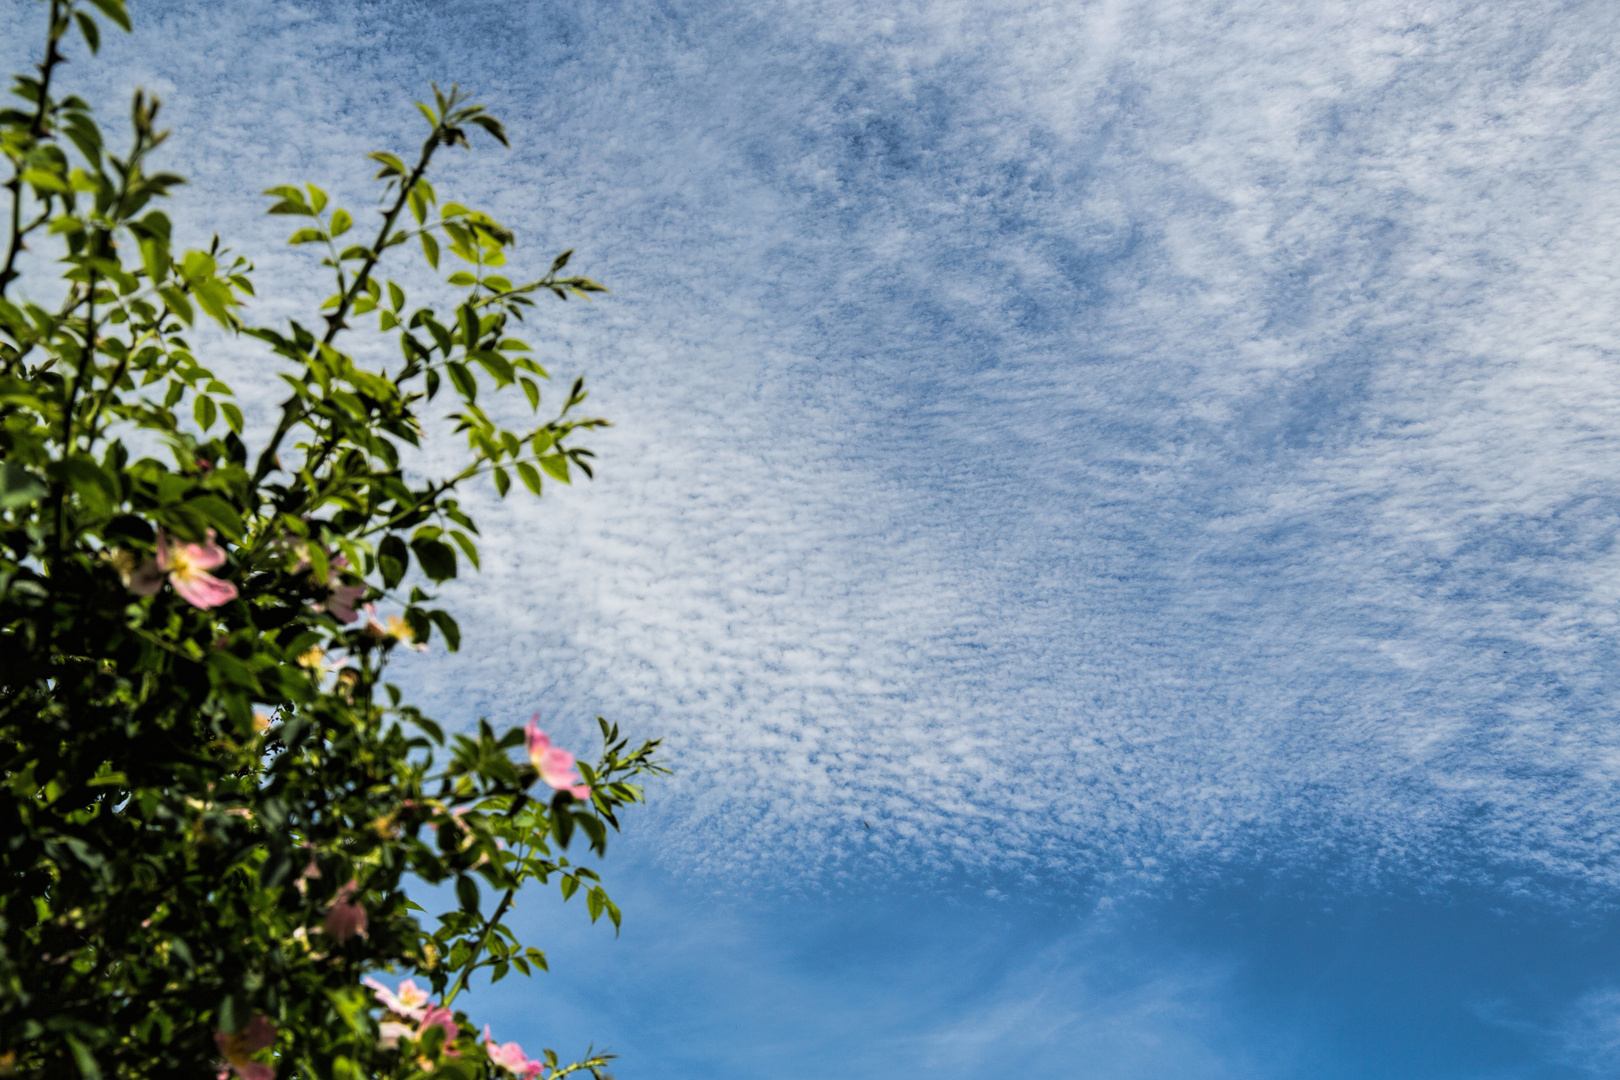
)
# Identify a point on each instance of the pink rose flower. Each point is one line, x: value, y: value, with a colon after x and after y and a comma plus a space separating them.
x: 510, y: 1056
x: 239, y: 1047
x: 410, y: 1002
x: 555, y: 765
x: 438, y: 1016
x: 186, y: 566
x: 345, y: 918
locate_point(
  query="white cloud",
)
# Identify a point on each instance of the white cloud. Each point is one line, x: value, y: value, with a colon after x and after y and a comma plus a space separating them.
x: 1095, y: 438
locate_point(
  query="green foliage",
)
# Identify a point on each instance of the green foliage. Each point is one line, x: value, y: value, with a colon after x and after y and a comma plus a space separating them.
x: 211, y: 795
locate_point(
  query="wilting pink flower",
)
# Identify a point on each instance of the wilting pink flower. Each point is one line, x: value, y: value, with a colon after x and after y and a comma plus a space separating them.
x: 510, y: 1056
x: 410, y: 1002
x: 345, y: 918
x: 239, y: 1047
x: 343, y: 598
x: 556, y: 765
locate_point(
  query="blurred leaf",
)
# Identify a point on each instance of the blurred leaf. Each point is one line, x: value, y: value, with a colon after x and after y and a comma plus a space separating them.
x: 19, y: 487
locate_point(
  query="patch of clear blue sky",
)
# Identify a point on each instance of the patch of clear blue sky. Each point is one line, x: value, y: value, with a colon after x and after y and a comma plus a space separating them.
x: 1266, y: 980
x: 1152, y: 460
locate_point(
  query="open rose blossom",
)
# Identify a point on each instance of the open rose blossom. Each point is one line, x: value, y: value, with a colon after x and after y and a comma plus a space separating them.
x: 410, y: 1002
x: 186, y: 567
x: 441, y: 1017
x: 556, y: 765
x: 239, y: 1047
x: 510, y: 1056
x: 345, y: 918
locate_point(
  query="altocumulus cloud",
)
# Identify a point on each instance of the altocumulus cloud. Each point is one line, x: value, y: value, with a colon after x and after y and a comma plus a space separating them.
x: 1078, y: 439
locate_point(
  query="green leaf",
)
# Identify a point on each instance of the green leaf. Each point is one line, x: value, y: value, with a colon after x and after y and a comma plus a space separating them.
x: 493, y: 126
x: 502, y: 481
x: 87, y: 27
x: 155, y: 257
x: 468, y: 548
x: 436, y: 558
x: 391, y: 165
x: 461, y: 279
x: 19, y: 487
x: 317, y: 197
x: 178, y: 304
x: 221, y: 514
x: 204, y: 411
x: 556, y: 465
x: 496, y: 364
x: 467, y: 894
x: 86, y: 479
x: 393, y: 559
x: 430, y: 248
x: 232, y: 1016
x: 396, y: 297
x: 44, y: 180
x: 531, y: 391
x: 341, y: 222
x: 114, y: 10
x: 307, y: 236
x: 233, y: 416
x: 82, y: 1057
x: 465, y: 383
x: 447, y: 626
x: 530, y: 477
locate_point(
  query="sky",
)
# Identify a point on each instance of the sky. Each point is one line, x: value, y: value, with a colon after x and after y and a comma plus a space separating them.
x: 1112, y: 508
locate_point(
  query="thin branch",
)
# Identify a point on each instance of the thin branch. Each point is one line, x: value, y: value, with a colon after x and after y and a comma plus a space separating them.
x: 36, y: 129
x: 290, y: 410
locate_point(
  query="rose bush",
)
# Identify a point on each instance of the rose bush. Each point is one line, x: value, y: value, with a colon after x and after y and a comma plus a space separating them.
x: 212, y: 796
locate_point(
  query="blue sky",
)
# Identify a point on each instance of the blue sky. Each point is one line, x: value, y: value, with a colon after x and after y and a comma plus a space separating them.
x: 1153, y: 462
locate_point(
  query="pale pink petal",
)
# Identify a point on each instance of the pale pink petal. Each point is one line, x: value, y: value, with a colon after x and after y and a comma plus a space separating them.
x: 412, y: 996
x: 582, y: 792
x: 440, y: 1017
x: 539, y: 743
x: 384, y: 995
x: 407, y: 1003
x: 202, y: 590
x: 554, y: 764
x: 343, y: 600
x: 207, y: 554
